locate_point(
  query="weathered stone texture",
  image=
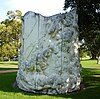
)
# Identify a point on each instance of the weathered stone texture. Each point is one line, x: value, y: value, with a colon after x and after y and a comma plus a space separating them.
x: 48, y: 59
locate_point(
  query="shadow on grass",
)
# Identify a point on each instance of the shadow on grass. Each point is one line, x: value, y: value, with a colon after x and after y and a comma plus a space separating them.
x: 92, y: 85
x: 2, y: 69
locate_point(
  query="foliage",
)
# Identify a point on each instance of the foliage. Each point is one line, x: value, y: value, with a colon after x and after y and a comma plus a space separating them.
x: 83, y: 52
x: 10, y: 31
x: 14, y: 15
x: 89, y: 22
x: 92, y: 40
x: 9, y: 50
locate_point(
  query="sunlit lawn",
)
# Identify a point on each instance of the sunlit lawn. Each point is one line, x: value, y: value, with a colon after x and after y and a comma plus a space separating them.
x: 86, y: 63
x: 91, y: 81
x: 7, y: 63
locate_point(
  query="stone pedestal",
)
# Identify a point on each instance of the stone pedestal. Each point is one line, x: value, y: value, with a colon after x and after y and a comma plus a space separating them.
x: 48, y: 58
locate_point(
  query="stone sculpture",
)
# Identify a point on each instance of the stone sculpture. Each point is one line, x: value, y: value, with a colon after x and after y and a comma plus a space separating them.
x: 48, y: 58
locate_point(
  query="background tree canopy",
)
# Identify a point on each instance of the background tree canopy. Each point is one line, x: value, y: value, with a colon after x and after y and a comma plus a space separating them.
x: 10, y: 31
x: 89, y: 23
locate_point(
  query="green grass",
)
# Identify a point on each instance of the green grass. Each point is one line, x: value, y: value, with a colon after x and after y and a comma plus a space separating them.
x: 2, y: 69
x: 87, y: 63
x: 7, y: 63
x: 8, y: 92
x: 91, y: 80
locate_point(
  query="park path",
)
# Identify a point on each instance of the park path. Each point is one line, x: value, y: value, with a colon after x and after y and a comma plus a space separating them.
x: 8, y: 71
x: 9, y: 66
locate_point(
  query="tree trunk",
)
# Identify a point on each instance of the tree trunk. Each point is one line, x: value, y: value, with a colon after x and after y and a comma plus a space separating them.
x: 93, y: 55
x: 9, y: 59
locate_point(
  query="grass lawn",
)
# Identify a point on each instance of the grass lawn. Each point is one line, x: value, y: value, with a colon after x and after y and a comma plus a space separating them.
x: 12, y: 65
x: 7, y: 63
x: 91, y: 79
x: 87, y: 63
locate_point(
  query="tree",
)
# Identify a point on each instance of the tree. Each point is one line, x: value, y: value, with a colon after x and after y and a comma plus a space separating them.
x: 14, y: 15
x: 2, y: 38
x: 88, y: 21
x: 2, y: 34
x: 83, y: 52
x: 9, y: 50
x: 10, y: 31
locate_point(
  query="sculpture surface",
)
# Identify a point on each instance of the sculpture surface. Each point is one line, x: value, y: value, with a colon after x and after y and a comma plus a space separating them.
x: 48, y: 58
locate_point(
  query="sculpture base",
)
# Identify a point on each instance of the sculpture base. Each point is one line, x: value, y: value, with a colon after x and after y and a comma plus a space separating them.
x: 48, y: 92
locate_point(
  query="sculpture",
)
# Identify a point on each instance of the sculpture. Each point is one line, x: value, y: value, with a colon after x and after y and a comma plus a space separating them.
x: 48, y: 58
